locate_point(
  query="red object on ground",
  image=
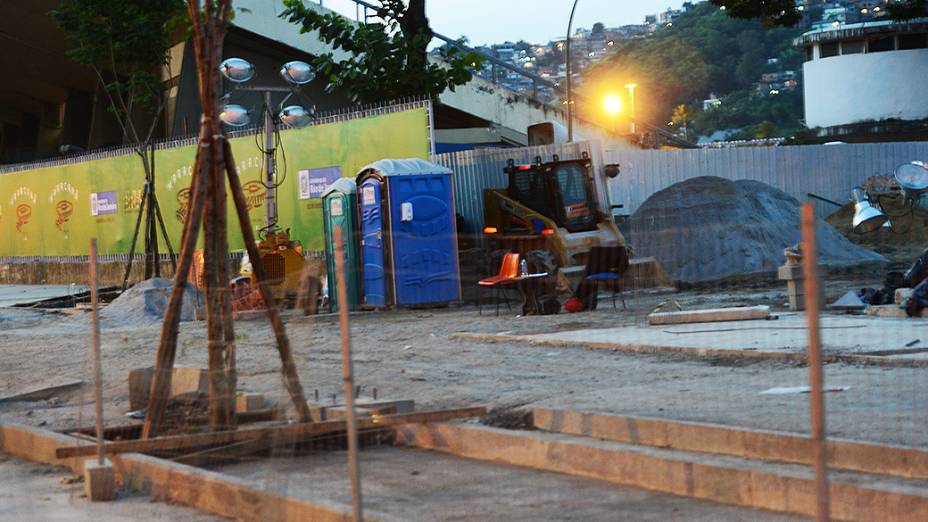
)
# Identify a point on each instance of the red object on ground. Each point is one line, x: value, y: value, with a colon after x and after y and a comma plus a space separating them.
x: 573, y: 304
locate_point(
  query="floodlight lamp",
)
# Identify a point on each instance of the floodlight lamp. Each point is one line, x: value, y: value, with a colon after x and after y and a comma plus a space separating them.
x: 237, y: 70
x: 867, y: 218
x: 295, y: 116
x: 234, y: 115
x: 913, y: 178
x: 297, y: 73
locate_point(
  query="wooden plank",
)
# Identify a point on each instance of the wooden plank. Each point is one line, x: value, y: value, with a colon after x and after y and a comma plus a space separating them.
x: 711, y: 315
x: 738, y: 482
x: 43, y: 393
x: 228, y: 496
x: 280, y: 433
x: 206, y: 491
x: 850, y: 455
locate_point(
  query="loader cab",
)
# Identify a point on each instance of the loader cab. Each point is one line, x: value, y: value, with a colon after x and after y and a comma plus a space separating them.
x: 560, y: 190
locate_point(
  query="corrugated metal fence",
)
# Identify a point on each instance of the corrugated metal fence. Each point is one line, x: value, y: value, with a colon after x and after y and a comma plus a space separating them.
x: 830, y: 171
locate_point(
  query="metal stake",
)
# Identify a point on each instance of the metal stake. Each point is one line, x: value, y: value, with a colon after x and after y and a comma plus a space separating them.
x: 97, y: 372
x: 353, y: 467
x: 816, y: 378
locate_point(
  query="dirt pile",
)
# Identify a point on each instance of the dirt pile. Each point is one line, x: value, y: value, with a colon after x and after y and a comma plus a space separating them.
x: 712, y: 229
x: 907, y: 238
x: 146, y: 302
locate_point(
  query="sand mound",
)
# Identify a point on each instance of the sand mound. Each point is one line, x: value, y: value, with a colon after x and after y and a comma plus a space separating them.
x: 146, y: 302
x: 903, y: 243
x: 710, y: 229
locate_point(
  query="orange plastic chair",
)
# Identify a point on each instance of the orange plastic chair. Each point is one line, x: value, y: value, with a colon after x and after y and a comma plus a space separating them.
x: 508, y: 272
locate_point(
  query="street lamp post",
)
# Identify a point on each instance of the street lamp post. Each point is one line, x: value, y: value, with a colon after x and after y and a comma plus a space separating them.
x: 631, y: 101
x: 570, y: 101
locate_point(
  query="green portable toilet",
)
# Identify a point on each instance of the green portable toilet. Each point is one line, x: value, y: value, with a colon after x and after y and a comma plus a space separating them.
x: 339, y: 209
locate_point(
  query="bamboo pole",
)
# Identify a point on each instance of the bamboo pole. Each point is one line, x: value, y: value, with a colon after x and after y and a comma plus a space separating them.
x: 354, y: 468
x: 97, y: 371
x: 816, y: 377
x: 288, y: 367
x: 167, y: 346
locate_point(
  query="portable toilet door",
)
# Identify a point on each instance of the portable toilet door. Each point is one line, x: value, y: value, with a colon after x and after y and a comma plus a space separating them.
x: 338, y: 210
x: 373, y: 270
x: 422, y: 238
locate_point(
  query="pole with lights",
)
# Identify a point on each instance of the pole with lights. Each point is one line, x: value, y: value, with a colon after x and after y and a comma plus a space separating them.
x: 631, y: 102
x: 296, y: 74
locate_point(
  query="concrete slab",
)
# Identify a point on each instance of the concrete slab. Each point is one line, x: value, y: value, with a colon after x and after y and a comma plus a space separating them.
x: 421, y: 485
x: 841, y: 335
x: 19, y: 294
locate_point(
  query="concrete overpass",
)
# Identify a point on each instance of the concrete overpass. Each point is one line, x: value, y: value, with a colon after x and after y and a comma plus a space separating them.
x: 478, y: 112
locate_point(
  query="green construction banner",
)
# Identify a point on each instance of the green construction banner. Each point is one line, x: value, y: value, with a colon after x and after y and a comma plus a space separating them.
x: 54, y: 211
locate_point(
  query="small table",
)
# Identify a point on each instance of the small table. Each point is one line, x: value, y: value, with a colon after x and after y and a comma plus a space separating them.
x: 528, y: 286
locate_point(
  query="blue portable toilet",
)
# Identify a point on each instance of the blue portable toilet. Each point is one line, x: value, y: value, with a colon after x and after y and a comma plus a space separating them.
x: 409, y: 253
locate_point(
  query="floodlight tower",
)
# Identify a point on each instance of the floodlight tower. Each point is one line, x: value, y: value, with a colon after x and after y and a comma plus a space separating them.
x: 296, y: 74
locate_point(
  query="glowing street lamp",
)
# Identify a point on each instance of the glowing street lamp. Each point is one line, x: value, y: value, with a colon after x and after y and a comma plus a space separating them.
x: 613, y: 104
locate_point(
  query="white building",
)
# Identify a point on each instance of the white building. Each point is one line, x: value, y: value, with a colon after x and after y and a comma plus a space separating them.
x: 865, y: 73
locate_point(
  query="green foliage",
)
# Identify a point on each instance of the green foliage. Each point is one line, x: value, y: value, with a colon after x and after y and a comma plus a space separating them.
x: 746, y: 110
x: 387, y: 59
x: 706, y: 51
x: 126, y: 42
x: 783, y: 13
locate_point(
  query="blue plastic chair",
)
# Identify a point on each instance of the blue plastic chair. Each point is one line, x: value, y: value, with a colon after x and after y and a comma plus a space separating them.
x: 607, y: 265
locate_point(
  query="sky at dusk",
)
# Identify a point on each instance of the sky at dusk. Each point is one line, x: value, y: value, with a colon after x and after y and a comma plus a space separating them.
x: 536, y: 21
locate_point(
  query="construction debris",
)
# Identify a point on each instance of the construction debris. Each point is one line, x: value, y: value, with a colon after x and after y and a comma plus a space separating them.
x: 849, y: 302
x: 281, y: 434
x: 183, y: 380
x: 710, y: 316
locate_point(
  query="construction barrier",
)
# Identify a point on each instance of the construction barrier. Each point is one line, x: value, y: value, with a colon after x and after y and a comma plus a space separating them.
x: 54, y: 209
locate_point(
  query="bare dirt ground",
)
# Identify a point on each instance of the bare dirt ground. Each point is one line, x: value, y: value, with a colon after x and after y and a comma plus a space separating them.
x: 411, y: 354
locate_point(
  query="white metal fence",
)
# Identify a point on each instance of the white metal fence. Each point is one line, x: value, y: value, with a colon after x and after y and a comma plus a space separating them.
x: 830, y: 171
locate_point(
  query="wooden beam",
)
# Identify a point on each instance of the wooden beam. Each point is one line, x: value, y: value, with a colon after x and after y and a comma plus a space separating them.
x: 701, y: 437
x: 280, y: 433
x: 712, y: 315
x: 41, y: 394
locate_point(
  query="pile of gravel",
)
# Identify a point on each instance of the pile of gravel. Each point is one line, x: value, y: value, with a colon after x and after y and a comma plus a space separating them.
x: 714, y: 229
x: 146, y: 302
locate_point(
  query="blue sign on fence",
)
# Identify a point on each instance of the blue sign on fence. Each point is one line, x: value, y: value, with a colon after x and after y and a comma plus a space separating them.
x: 314, y: 181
